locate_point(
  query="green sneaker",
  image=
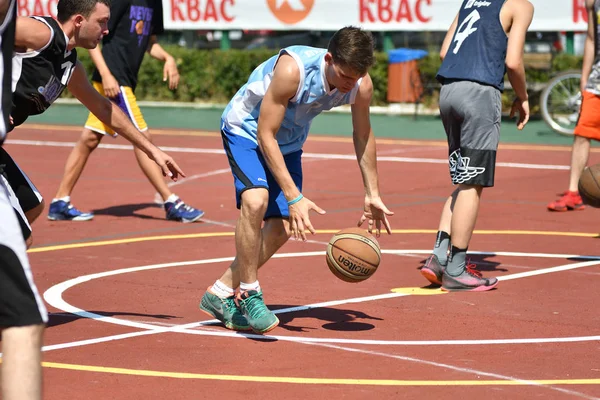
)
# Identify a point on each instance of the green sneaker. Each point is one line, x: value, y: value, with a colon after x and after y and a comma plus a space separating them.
x: 253, y: 307
x: 225, y: 310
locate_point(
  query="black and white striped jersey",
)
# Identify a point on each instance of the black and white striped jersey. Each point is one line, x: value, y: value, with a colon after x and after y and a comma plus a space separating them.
x: 39, y: 77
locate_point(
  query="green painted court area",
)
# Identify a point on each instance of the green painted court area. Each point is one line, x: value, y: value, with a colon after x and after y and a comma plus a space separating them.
x: 330, y: 123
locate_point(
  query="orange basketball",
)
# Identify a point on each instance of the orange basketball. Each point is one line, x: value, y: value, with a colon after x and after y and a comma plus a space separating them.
x: 589, y: 185
x: 353, y: 255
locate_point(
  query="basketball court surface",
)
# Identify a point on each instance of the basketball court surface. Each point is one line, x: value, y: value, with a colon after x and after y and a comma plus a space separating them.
x: 123, y: 289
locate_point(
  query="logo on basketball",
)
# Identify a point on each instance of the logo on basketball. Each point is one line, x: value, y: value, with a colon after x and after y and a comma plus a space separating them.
x: 290, y: 11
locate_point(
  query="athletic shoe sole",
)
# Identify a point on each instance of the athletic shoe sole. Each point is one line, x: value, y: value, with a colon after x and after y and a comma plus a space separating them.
x: 58, y: 217
x: 270, y: 328
x: 430, y: 275
x: 230, y: 326
x: 189, y: 221
x: 481, y: 288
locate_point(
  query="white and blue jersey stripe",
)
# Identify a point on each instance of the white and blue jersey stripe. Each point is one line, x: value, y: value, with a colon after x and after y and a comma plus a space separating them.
x: 312, y: 97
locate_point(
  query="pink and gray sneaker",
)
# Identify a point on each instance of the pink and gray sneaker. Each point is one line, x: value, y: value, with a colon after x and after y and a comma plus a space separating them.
x: 470, y: 280
x: 433, y: 270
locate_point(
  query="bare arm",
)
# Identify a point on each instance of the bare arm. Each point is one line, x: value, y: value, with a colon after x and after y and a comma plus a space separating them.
x: 109, y: 113
x: 366, y: 154
x: 521, y: 19
x: 364, y: 140
x: 110, y: 85
x: 448, y: 38
x: 31, y: 34
x: 3, y: 9
x: 283, y: 87
x: 170, y: 70
x: 98, y: 59
x: 588, y: 49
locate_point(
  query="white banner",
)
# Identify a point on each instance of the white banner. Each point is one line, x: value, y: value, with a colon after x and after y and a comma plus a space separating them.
x: 375, y: 15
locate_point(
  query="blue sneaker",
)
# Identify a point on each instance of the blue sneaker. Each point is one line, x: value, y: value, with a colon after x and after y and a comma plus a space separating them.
x: 179, y: 211
x: 64, y: 211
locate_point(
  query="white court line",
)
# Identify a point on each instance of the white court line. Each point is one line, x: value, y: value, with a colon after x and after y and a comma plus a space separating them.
x: 54, y: 297
x: 478, y: 373
x: 352, y: 157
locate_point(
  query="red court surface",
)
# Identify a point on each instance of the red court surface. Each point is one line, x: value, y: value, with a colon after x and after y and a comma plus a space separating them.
x: 123, y: 289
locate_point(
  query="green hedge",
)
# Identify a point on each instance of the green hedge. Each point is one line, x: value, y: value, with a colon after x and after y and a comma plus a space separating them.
x: 213, y: 76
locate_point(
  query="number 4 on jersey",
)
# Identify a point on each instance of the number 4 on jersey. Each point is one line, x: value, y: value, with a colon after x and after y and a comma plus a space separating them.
x: 465, y: 29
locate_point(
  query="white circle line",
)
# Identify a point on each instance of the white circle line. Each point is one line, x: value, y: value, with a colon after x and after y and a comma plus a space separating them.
x: 54, y: 297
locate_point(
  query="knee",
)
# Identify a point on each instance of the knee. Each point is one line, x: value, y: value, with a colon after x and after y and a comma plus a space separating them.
x: 90, y: 140
x: 254, y: 203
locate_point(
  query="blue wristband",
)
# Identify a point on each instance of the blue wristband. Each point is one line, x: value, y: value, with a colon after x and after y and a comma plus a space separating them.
x: 297, y: 199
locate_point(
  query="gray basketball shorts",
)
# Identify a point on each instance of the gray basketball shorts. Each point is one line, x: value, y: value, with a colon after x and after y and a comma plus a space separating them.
x: 471, y: 115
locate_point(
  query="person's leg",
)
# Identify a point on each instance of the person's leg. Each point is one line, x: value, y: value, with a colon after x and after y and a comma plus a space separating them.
x: 21, y: 362
x: 579, y: 158
x: 76, y: 161
x: 274, y: 234
x: 588, y: 127
x: 23, y: 315
x: 60, y: 208
x: 433, y: 267
x: 175, y: 208
x: 472, y: 167
x: 152, y: 171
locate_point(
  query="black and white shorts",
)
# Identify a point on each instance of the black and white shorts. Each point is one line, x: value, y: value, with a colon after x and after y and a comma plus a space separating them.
x: 25, y: 195
x: 471, y: 114
x: 20, y: 302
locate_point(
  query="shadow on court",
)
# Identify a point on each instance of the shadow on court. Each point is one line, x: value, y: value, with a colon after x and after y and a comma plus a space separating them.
x: 335, y: 319
x: 129, y: 210
x: 57, y: 319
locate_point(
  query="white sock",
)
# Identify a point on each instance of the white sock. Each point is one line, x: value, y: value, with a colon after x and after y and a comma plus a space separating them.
x: 66, y: 199
x: 172, y: 198
x: 221, y: 289
x: 250, y: 286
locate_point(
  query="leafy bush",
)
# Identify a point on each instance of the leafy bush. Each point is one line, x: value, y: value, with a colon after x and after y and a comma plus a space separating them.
x: 214, y: 76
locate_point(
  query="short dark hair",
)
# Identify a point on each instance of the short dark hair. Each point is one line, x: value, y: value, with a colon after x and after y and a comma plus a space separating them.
x: 67, y: 8
x: 353, y: 47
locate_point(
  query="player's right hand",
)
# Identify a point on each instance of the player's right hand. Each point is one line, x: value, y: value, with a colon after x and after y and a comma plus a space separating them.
x: 110, y: 86
x: 166, y: 163
x: 522, y: 107
x: 299, y: 220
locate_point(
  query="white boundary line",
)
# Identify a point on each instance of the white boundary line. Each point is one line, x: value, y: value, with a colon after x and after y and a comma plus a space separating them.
x: 54, y: 297
x: 351, y: 157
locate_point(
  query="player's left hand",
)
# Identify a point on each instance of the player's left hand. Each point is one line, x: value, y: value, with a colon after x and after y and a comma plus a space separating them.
x: 171, y: 73
x: 376, y: 213
x: 522, y: 107
x: 166, y: 163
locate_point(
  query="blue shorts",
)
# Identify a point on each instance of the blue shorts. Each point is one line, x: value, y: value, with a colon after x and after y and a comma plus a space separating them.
x: 250, y: 171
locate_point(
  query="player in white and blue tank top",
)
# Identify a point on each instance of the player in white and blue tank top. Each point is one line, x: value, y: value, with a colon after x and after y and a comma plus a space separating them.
x: 264, y: 128
x: 313, y: 97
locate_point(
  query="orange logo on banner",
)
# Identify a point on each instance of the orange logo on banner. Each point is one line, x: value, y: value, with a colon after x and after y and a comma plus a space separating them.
x: 290, y: 11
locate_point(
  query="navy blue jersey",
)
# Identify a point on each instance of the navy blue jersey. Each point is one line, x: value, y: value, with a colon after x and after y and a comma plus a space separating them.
x: 478, y: 49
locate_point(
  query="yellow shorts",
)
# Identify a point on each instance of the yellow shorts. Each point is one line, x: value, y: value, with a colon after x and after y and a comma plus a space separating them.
x: 127, y: 103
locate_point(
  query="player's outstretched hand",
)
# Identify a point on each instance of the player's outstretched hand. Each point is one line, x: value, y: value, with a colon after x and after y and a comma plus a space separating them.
x: 376, y: 213
x: 171, y: 73
x: 166, y: 163
x: 299, y: 220
x: 522, y: 107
